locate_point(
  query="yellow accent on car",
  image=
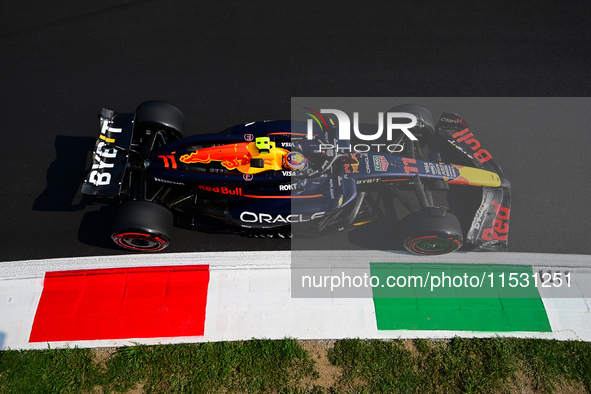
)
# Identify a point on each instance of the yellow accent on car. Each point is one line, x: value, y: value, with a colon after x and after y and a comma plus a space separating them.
x: 263, y: 144
x: 273, y: 158
x: 109, y: 140
x: 362, y: 223
x: 478, y: 177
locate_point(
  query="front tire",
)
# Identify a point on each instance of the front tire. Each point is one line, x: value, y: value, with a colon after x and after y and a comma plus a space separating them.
x: 432, y: 231
x: 142, y: 226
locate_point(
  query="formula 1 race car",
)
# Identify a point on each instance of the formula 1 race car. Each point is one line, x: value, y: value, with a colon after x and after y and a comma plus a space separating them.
x: 291, y: 178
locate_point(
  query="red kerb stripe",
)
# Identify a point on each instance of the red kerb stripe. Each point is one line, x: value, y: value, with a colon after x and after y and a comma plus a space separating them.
x: 142, y: 302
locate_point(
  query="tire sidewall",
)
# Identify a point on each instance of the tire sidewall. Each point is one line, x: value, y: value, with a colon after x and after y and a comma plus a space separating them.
x: 160, y: 115
x: 421, y: 225
x: 145, y: 218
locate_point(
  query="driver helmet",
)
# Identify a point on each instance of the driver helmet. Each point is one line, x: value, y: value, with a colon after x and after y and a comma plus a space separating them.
x: 294, y: 161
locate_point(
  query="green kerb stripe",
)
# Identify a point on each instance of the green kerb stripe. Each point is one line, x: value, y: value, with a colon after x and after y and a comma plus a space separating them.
x: 497, y: 298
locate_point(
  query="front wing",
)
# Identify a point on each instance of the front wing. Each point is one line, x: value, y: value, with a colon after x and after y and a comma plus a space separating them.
x: 490, y: 228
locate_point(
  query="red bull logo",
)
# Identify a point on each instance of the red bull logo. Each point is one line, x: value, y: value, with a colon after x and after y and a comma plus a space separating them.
x: 222, y: 190
x: 467, y: 137
x: 500, y: 224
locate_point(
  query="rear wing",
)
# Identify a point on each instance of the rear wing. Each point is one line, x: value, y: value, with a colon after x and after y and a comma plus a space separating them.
x: 490, y: 227
x: 110, y: 155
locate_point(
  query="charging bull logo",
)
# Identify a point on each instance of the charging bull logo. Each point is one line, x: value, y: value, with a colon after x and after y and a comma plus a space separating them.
x: 352, y: 165
x: 229, y: 156
x: 237, y: 157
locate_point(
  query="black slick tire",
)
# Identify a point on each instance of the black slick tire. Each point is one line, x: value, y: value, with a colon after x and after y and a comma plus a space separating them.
x: 142, y: 226
x: 432, y: 231
x: 160, y: 115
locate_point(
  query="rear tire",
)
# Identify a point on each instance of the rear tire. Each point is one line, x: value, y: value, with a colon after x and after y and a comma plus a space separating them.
x: 159, y: 115
x: 142, y: 226
x: 425, y: 128
x: 431, y: 235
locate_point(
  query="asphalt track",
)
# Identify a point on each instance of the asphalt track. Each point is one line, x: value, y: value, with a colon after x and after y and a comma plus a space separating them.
x: 226, y: 63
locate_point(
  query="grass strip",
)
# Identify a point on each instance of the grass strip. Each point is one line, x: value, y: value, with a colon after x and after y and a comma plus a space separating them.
x: 445, y: 366
x: 461, y: 365
x: 48, y: 371
x: 254, y: 366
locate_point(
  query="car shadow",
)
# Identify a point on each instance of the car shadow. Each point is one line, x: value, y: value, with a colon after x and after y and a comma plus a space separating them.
x: 65, y: 176
x: 96, y: 227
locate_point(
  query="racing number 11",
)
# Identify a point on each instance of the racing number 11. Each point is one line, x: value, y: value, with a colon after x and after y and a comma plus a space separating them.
x: 407, y: 167
x: 172, y: 161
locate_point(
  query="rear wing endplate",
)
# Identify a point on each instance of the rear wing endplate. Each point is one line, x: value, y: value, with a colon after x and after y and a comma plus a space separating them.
x: 110, y: 155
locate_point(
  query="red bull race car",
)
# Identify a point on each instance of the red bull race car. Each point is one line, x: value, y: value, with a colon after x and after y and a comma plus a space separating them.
x: 292, y: 178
